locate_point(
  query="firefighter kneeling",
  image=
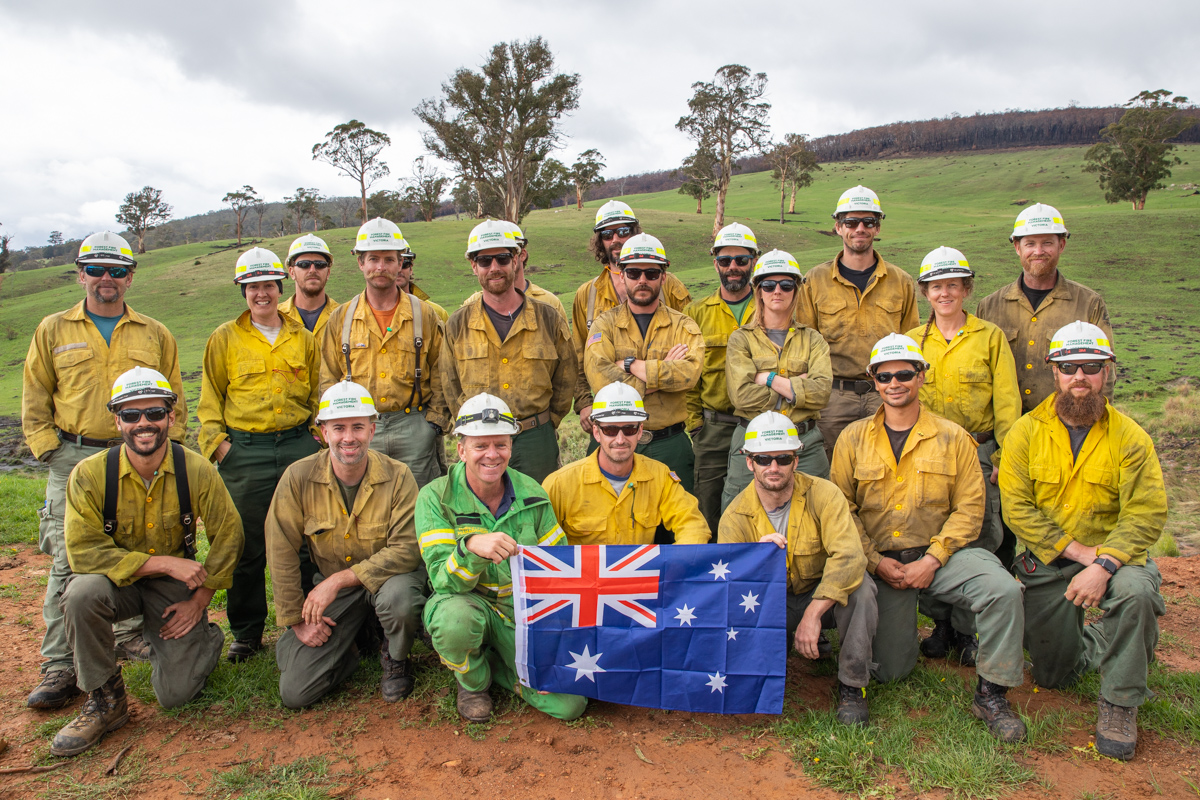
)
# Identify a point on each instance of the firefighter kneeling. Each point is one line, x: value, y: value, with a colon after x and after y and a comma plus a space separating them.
x: 130, y: 532
x: 1083, y: 491
x: 472, y: 520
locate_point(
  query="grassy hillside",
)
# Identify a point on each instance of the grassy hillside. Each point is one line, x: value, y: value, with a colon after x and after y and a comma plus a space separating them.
x: 1143, y: 263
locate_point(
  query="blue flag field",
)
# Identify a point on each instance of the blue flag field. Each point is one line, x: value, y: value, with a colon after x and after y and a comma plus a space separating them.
x: 685, y: 627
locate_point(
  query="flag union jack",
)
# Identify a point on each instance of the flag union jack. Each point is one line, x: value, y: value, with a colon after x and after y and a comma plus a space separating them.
x: 590, y: 581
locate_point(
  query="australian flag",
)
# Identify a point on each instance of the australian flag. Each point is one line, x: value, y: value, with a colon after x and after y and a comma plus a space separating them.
x: 686, y: 627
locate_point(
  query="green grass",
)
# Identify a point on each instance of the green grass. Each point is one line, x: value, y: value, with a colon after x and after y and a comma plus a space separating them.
x: 1141, y: 262
x: 303, y: 779
x: 21, y: 495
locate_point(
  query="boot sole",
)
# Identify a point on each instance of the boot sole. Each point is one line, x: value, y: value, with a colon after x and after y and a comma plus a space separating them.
x: 74, y: 751
x: 1122, y: 755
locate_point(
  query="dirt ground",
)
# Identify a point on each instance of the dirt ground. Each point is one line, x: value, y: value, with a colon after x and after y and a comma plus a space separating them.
x: 384, y: 751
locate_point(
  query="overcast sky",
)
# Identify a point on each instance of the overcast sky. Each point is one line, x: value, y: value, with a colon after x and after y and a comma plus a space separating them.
x: 197, y: 99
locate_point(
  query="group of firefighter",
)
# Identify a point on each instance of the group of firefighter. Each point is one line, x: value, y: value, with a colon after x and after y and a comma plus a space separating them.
x: 898, y: 463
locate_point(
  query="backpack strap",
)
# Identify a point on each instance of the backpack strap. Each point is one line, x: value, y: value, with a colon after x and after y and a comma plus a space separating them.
x: 186, y: 519
x: 591, y: 315
x: 414, y: 400
x: 112, y: 471
x: 346, y: 320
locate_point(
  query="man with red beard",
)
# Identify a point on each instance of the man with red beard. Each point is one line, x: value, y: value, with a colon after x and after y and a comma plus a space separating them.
x: 1083, y: 491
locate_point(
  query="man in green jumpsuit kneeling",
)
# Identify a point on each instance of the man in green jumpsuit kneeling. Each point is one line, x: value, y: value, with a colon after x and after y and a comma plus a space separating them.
x: 469, y: 523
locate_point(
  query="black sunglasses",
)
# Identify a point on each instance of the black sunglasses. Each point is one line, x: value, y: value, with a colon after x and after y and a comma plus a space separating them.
x: 769, y: 286
x: 311, y: 265
x: 484, y: 262
x: 866, y: 222
x: 1070, y: 367
x: 610, y: 431
x: 131, y: 415
x: 98, y: 270
x: 782, y: 459
x: 625, y: 231
x: 904, y: 376
x: 651, y: 273
x: 741, y: 261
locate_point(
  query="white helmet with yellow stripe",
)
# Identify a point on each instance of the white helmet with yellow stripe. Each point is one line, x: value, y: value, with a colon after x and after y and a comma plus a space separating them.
x: 379, y: 234
x: 1038, y: 218
x: 897, y: 347
x: 735, y: 234
x: 105, y: 248
x: 139, y: 383
x: 618, y: 402
x: 771, y: 432
x: 485, y: 415
x: 494, y: 233
x: 308, y: 243
x: 1080, y: 341
x: 945, y: 262
x: 614, y: 212
x: 859, y: 198
x: 345, y: 399
x: 258, y: 264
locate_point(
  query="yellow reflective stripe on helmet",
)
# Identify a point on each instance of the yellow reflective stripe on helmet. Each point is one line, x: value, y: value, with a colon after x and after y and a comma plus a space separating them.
x: 1102, y: 342
x: 439, y: 536
x: 751, y: 434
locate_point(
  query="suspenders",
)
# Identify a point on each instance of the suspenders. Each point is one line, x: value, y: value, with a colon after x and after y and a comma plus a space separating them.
x: 415, y: 398
x: 186, y: 518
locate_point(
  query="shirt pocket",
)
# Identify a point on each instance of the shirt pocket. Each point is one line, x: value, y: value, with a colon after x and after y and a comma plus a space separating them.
x: 891, y: 313
x: 1101, y: 485
x: 315, y: 528
x: 588, y: 530
x: 540, y: 360
x: 936, y: 477
x: 714, y: 353
x: 797, y: 366
x: 372, y: 537
x: 74, y: 368
x: 808, y: 559
x: 145, y: 357
x: 248, y: 376
x: 835, y: 320
x: 474, y: 371
x: 870, y: 480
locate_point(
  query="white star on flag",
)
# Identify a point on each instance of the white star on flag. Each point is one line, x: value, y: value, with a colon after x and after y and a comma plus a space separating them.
x: 731, y: 634
x: 585, y: 664
x: 717, y: 682
x: 749, y: 602
x: 719, y: 570
x: 685, y: 615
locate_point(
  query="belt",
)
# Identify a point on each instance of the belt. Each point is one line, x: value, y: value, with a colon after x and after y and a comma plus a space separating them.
x: 983, y: 438
x: 858, y: 387
x: 86, y: 442
x: 250, y: 438
x: 664, y: 433
x: 529, y: 423
x: 801, y: 427
x: 720, y: 416
x: 906, y: 556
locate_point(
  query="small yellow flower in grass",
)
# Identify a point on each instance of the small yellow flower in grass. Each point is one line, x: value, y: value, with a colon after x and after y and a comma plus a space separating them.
x: 943, y: 680
x: 1035, y: 690
x: 870, y: 743
x: 816, y: 760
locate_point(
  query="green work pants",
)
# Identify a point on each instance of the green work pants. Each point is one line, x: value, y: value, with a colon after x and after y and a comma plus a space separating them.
x: 56, y: 650
x: 179, y: 667
x: 306, y: 674
x: 1120, y: 645
x: 990, y: 536
x: 856, y: 623
x: 810, y: 459
x: 479, y: 644
x: 410, y: 439
x: 710, y: 448
x: 535, y: 452
x: 844, y: 407
x: 251, y: 470
x: 971, y: 579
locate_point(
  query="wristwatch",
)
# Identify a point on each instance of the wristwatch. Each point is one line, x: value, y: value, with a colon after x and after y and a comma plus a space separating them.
x: 1108, y: 566
x: 629, y: 362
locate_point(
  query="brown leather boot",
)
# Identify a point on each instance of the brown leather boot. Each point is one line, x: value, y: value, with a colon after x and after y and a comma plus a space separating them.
x: 397, y: 681
x: 1116, y: 730
x: 55, y: 691
x: 991, y: 706
x: 105, y: 710
x: 474, y: 706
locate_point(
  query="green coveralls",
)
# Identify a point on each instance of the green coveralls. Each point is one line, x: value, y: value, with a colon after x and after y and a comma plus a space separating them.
x: 470, y: 614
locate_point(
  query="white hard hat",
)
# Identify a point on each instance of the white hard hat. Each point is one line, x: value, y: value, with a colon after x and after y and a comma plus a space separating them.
x: 517, y: 233
x: 614, y: 212
x: 618, y: 402
x: 1080, y: 341
x: 105, y: 248
x: 345, y: 399
x: 140, y: 382
x: 485, y: 415
x: 308, y: 243
x: 896, y: 347
x: 1038, y: 218
x: 771, y: 432
x: 776, y: 262
x: 735, y: 234
x: 379, y: 234
x: 860, y: 198
x: 258, y: 264
x: 945, y: 262
x: 493, y: 233
x: 643, y: 249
